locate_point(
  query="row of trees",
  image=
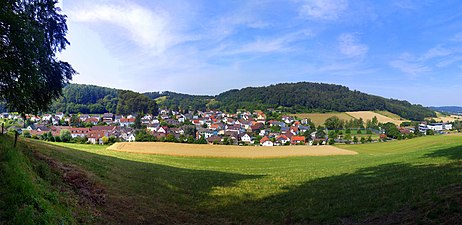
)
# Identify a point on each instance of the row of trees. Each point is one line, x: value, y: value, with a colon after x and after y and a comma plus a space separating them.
x: 335, y: 123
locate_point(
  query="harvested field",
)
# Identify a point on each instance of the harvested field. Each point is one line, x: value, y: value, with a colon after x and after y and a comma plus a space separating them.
x: 223, y: 151
x: 320, y: 118
x: 368, y: 115
x: 445, y: 118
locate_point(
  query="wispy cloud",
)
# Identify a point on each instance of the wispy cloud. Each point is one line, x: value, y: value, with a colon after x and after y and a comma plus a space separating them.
x: 147, y: 28
x: 409, y: 65
x: 350, y: 46
x: 323, y: 9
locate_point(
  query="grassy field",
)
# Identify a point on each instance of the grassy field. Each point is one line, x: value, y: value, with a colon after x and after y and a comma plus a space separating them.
x: 400, y: 182
x: 320, y: 118
x: 228, y: 151
x: 389, y: 115
x: 381, y: 117
x: 446, y: 119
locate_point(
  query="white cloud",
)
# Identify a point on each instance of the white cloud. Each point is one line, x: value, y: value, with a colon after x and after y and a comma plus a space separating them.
x: 436, y: 53
x: 411, y: 68
x: 146, y: 28
x: 323, y: 9
x: 350, y: 46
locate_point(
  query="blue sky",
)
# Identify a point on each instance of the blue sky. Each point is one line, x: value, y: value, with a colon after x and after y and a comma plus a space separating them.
x: 401, y: 49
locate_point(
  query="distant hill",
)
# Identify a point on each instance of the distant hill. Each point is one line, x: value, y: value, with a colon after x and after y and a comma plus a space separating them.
x: 448, y: 109
x: 288, y: 97
x: 317, y: 97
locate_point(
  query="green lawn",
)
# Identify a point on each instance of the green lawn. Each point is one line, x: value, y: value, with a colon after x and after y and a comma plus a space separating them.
x: 416, y: 180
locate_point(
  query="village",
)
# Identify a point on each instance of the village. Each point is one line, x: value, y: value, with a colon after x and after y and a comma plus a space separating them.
x: 210, y: 127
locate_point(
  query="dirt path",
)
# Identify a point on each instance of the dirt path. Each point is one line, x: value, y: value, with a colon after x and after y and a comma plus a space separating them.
x: 223, y: 151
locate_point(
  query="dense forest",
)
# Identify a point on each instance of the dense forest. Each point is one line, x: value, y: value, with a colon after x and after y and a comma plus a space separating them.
x: 287, y: 97
x: 316, y: 97
x: 80, y: 98
x: 132, y: 102
x: 177, y: 101
x: 86, y: 99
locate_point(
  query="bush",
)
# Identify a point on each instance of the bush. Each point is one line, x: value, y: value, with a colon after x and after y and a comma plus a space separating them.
x: 331, y: 141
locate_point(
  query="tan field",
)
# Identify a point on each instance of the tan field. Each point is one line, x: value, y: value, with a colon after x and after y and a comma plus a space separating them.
x: 446, y: 119
x: 226, y: 151
x: 320, y: 118
x: 368, y: 115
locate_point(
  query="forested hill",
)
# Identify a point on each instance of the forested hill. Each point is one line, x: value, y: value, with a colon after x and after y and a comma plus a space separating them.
x: 81, y: 98
x: 305, y: 96
x: 448, y: 109
x: 288, y: 97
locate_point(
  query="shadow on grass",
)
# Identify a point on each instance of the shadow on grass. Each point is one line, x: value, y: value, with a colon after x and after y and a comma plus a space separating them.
x: 454, y: 153
x: 395, y: 193
x: 147, y: 193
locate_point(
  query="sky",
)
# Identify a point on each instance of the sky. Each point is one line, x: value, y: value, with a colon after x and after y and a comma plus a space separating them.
x: 402, y: 49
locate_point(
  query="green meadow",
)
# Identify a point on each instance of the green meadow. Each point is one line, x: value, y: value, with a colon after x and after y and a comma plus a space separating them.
x: 402, y: 182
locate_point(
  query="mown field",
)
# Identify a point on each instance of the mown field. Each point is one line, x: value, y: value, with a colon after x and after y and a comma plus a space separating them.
x: 400, y: 182
x: 228, y: 151
x: 320, y: 118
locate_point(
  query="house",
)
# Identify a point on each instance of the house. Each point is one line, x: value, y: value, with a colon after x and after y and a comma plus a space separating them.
x: 92, y: 120
x: 96, y: 136
x: 108, y: 117
x: 294, y: 130
x: 214, y: 140
x: 126, y: 122
x: 42, y: 128
x: 131, y: 138
x: 153, y: 127
x: 60, y: 115
x: 163, y: 129
x: 79, y: 132
x: 265, y: 141
x: 298, y: 140
x: 245, y: 138
x: 282, y: 139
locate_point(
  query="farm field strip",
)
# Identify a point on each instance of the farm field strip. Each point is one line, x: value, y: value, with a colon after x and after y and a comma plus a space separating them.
x: 368, y: 115
x: 320, y: 118
x: 225, y: 151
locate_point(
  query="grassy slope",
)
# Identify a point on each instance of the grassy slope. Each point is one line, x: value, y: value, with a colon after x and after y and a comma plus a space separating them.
x: 28, y: 189
x: 386, y: 178
x: 320, y: 118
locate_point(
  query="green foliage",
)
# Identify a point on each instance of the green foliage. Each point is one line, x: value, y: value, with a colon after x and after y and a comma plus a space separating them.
x: 32, y: 33
x: 26, y: 192
x: 307, y: 97
x: 391, y: 130
x: 132, y: 102
x: 182, y: 101
x: 65, y: 135
x: 333, y: 123
x: 430, y: 132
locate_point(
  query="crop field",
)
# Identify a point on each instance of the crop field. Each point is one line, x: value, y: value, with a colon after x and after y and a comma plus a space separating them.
x: 400, y: 182
x: 390, y: 115
x: 446, y: 119
x: 320, y: 118
x: 227, y: 151
x: 368, y: 115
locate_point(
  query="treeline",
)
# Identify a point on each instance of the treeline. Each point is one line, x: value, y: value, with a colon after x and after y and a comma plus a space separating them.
x: 177, y: 101
x: 132, y: 102
x: 287, y: 97
x: 91, y: 99
x: 309, y: 97
x: 86, y: 99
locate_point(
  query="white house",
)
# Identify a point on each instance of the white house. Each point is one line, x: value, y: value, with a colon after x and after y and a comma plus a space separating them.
x: 265, y: 141
x: 131, y: 138
x: 246, y: 138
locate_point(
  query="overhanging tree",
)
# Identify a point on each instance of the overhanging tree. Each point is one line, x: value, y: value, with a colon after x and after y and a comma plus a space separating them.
x: 31, y: 33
